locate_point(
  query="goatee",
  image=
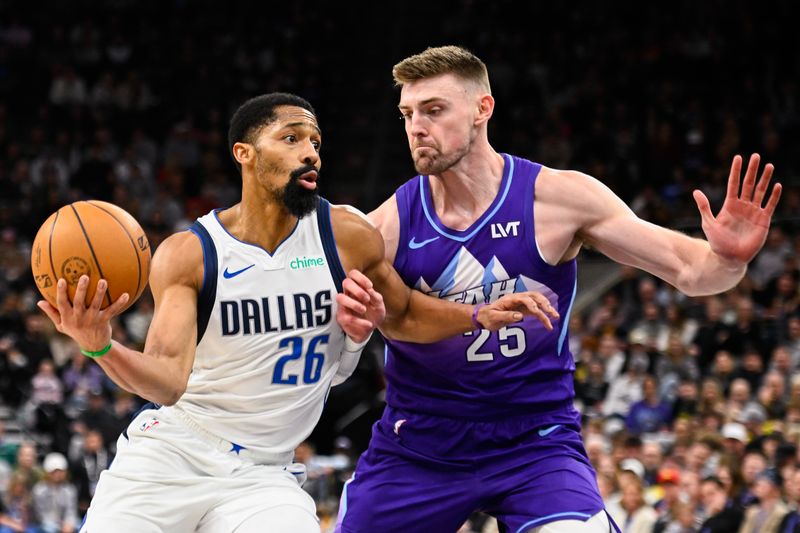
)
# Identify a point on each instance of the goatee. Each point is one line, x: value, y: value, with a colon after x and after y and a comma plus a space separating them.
x: 298, y: 200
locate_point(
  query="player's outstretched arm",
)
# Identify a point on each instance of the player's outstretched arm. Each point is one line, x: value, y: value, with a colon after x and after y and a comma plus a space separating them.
x: 411, y: 315
x: 694, y: 266
x: 161, y: 373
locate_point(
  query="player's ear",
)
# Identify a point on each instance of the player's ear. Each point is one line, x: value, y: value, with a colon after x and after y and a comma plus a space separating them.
x: 244, y: 153
x: 485, y: 108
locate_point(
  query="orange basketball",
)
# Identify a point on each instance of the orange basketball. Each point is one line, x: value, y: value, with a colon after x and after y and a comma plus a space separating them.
x: 94, y: 238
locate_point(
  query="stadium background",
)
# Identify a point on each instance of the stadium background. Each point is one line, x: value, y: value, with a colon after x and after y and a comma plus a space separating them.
x: 128, y: 102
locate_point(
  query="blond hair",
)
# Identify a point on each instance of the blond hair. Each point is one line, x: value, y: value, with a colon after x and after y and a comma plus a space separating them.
x: 442, y: 60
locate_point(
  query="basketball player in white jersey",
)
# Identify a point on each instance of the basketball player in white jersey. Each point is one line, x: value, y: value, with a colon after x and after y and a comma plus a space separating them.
x: 245, y: 343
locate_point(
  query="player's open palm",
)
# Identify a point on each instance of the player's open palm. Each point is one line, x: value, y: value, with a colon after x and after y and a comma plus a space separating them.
x: 361, y: 308
x: 740, y: 229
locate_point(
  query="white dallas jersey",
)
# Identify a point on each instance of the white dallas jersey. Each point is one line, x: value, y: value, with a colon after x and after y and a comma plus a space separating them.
x: 268, y: 345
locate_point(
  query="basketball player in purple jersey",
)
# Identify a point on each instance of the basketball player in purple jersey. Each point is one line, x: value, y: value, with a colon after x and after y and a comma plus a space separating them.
x: 488, y: 424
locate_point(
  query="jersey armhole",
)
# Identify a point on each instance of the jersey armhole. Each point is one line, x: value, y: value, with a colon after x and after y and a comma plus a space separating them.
x: 329, y: 243
x: 208, y: 291
x: 533, y: 247
x: 403, y: 203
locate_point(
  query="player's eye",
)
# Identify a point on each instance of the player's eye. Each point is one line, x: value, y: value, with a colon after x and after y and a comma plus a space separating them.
x: 290, y: 138
x: 405, y: 115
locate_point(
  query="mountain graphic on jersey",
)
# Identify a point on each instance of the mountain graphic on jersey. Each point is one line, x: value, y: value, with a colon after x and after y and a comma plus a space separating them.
x: 466, y: 280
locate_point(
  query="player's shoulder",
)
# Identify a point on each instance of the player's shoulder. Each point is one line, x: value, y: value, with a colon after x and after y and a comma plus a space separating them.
x: 179, y: 257
x: 563, y: 185
x: 355, y: 233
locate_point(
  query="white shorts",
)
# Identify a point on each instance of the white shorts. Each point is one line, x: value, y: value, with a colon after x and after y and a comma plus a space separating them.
x: 170, y: 477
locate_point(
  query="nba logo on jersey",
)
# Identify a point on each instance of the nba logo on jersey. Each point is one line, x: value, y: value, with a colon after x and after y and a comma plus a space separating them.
x: 152, y: 422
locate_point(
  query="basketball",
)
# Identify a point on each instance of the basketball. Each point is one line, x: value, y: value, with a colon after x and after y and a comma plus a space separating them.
x: 98, y: 239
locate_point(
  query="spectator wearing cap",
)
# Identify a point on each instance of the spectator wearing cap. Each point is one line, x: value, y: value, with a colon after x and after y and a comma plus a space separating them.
x: 668, y: 480
x: 55, y: 500
x: 734, y: 438
x: 753, y: 418
x: 723, y: 516
x: 766, y: 515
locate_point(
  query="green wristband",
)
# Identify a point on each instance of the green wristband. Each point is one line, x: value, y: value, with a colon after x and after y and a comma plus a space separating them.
x: 98, y: 354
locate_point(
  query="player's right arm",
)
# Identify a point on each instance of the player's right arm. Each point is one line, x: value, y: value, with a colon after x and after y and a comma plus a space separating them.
x: 160, y: 373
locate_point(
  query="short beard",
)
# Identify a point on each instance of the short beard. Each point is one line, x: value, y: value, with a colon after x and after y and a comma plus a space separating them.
x: 438, y: 163
x: 298, y: 200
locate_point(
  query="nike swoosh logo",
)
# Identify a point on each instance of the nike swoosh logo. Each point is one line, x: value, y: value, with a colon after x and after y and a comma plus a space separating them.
x: 229, y: 275
x: 546, y: 431
x: 414, y: 245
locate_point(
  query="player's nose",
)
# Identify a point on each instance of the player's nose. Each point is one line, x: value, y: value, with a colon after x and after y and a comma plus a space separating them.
x: 309, y: 155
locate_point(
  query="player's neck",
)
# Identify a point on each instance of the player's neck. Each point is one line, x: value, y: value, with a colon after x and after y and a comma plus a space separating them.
x: 260, y: 222
x: 462, y: 193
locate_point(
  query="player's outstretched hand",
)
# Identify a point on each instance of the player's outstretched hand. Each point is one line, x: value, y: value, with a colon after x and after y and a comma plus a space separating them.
x: 738, y: 232
x: 360, y: 308
x: 89, y: 326
x: 512, y: 308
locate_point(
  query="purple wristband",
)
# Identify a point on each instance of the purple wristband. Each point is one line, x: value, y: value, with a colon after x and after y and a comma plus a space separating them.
x: 475, y: 316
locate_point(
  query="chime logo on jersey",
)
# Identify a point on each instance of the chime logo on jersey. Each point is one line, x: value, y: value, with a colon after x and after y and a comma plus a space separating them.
x: 284, y: 312
x: 306, y: 262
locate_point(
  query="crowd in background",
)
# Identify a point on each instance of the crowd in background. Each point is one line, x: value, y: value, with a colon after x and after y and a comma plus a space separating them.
x: 691, y: 405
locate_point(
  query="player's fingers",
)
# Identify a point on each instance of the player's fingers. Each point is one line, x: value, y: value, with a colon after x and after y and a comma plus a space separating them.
x: 500, y: 319
x: 99, y: 294
x: 763, y: 184
x: 750, y: 177
x: 733, y: 177
x: 350, y: 304
x: 354, y: 290
x: 772, y: 203
x: 703, y: 205
x: 51, y: 312
x: 79, y: 300
x: 544, y: 304
x: 62, y: 298
x: 357, y: 276
x: 115, y: 308
x: 375, y: 296
x: 543, y: 318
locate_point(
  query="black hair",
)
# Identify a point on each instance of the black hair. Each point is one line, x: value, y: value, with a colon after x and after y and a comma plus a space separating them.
x: 715, y: 480
x: 256, y: 113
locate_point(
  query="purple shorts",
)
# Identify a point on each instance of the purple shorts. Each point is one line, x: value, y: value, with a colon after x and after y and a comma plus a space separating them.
x: 424, y: 473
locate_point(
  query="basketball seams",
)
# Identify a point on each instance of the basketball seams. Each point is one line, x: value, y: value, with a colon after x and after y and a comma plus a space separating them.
x: 133, y: 244
x: 91, y: 248
x: 50, y: 249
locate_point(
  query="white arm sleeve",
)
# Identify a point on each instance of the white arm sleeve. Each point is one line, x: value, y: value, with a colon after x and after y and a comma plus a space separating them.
x: 351, y: 353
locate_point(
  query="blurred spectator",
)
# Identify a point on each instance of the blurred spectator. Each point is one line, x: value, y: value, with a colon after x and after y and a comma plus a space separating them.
x: 626, y: 389
x: 99, y: 416
x: 81, y: 376
x: 632, y: 513
x: 27, y: 468
x: 723, y: 516
x: 650, y: 414
x: 54, y: 498
x: 753, y: 464
x: 86, y: 468
x: 15, y: 508
x: 766, y: 515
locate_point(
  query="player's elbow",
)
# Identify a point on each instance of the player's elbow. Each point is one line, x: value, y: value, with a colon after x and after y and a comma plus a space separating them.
x: 168, y: 395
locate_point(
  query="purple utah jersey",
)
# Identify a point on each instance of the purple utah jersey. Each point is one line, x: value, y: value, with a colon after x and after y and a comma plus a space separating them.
x: 522, y: 368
